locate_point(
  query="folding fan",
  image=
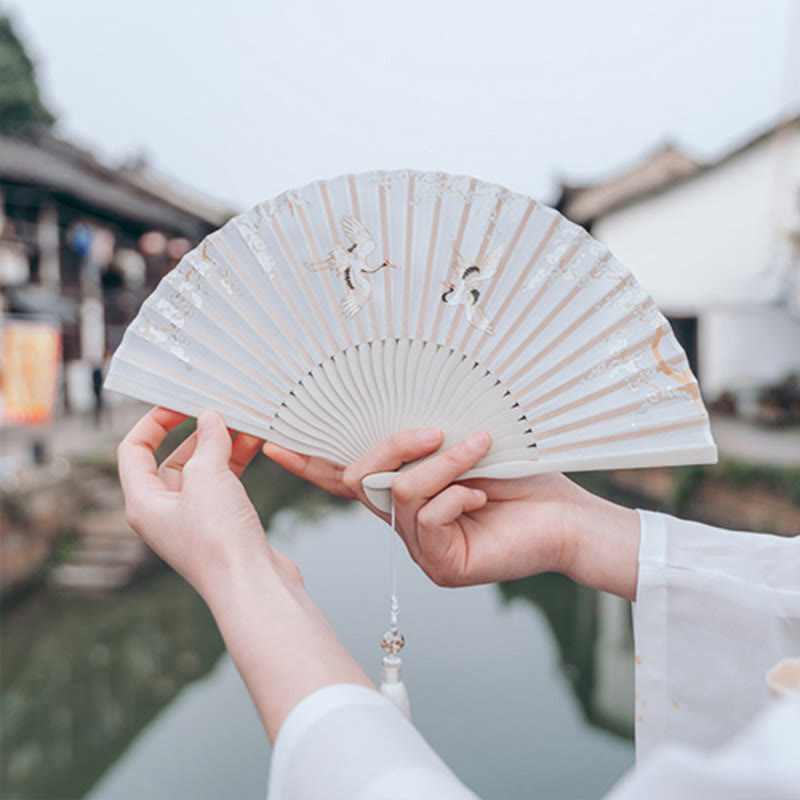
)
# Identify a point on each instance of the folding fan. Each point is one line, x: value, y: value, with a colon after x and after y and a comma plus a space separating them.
x: 336, y: 314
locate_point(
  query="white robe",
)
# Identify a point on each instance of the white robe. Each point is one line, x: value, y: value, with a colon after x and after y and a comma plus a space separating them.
x: 715, y: 610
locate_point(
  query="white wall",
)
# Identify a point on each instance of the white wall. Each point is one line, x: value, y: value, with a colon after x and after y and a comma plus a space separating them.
x: 702, y: 248
x: 742, y: 348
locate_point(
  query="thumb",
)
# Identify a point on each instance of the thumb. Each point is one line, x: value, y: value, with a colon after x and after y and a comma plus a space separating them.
x: 213, y: 441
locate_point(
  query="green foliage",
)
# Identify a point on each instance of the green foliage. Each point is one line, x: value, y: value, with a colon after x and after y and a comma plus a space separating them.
x: 22, y: 112
x: 687, y: 479
x: 83, y: 675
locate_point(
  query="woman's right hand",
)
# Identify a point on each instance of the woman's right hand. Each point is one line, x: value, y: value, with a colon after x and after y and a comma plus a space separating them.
x: 479, y: 531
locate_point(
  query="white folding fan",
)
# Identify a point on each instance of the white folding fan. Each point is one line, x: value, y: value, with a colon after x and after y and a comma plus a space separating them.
x: 336, y: 314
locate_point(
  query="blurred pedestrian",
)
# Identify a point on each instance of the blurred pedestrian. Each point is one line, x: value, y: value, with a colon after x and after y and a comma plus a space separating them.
x: 97, y: 390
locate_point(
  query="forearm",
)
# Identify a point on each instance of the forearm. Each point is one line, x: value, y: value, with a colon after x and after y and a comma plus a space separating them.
x: 605, y: 552
x: 280, y: 641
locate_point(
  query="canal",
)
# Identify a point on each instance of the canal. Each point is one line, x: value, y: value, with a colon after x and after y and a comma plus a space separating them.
x: 525, y: 689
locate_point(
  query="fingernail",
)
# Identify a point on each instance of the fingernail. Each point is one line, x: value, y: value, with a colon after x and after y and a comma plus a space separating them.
x: 478, y: 493
x: 478, y: 441
x: 208, y: 419
x: 429, y: 435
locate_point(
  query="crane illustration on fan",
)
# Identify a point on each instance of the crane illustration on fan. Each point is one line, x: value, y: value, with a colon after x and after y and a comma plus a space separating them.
x: 494, y: 313
x: 350, y: 263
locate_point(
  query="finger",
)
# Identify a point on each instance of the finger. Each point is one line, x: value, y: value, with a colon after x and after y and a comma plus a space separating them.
x: 439, y: 537
x: 449, y: 505
x: 136, y: 452
x: 412, y: 489
x: 432, y: 476
x: 243, y: 450
x: 214, y: 444
x: 322, y: 473
x: 391, y: 454
x: 172, y: 467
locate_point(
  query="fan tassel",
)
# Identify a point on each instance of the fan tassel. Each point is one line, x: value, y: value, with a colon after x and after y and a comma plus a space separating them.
x: 392, y: 686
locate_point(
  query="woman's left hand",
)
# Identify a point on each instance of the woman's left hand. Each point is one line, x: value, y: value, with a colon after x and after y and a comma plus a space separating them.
x: 192, y: 510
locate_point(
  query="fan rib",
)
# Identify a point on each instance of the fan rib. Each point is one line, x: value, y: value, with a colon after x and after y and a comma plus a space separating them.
x: 334, y: 370
x: 517, y: 286
x: 148, y: 366
x: 481, y: 253
x: 211, y: 314
x: 437, y: 213
x: 407, y: 271
x: 212, y: 345
x: 547, y: 320
x: 351, y: 182
x: 448, y: 380
x: 456, y: 246
x: 334, y: 231
x: 316, y: 255
x: 593, y: 342
x: 619, y: 357
x: 596, y: 395
x: 384, y: 390
x: 308, y: 432
x: 387, y: 286
x: 240, y: 309
x: 312, y: 301
x: 487, y: 292
x: 326, y: 391
x: 365, y: 406
x: 621, y: 437
x: 369, y: 383
x: 553, y: 343
x: 651, y: 399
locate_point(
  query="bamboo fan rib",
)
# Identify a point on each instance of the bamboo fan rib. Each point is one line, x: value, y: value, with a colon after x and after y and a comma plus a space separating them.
x: 335, y: 314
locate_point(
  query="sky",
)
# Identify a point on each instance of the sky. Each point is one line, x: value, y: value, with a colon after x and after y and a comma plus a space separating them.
x: 243, y: 99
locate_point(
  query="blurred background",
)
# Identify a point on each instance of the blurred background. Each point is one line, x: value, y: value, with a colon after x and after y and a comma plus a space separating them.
x: 670, y: 130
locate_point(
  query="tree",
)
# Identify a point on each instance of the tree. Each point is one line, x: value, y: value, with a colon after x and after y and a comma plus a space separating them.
x: 22, y: 112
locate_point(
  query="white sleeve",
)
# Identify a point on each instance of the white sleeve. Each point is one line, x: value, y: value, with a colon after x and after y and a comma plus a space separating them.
x: 763, y: 762
x: 714, y: 610
x: 350, y: 743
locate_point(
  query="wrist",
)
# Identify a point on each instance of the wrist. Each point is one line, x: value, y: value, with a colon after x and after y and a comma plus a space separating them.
x: 239, y: 575
x: 604, y: 546
x: 282, y: 644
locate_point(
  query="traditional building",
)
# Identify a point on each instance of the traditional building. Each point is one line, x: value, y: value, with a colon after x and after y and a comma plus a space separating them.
x: 718, y: 246
x: 85, y: 243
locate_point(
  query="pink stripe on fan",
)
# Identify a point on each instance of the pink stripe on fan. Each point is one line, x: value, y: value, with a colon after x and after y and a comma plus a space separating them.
x: 621, y: 437
x: 610, y: 389
x: 407, y: 266
x: 487, y: 292
x: 553, y: 343
x: 299, y: 271
x: 437, y: 214
x: 478, y: 259
x: 456, y: 246
x: 517, y: 286
x: 326, y: 201
x: 620, y: 323
x: 529, y: 308
x: 225, y: 251
x: 351, y: 182
x: 315, y: 253
x: 383, y: 255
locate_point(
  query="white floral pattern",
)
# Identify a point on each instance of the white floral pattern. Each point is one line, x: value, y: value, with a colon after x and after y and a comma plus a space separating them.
x: 248, y: 230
